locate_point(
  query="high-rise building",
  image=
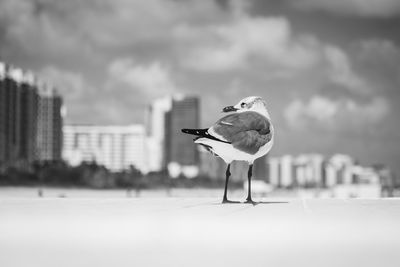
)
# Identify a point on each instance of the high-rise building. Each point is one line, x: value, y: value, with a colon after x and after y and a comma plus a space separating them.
x: 181, y: 155
x: 10, y: 113
x: 3, y: 116
x: 50, y: 121
x: 29, y: 117
x: 25, y: 117
x: 18, y: 110
x: 115, y: 147
x: 155, y: 132
x: 168, y: 148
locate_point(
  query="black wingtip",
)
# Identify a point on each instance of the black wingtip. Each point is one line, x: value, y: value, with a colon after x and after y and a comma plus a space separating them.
x: 191, y: 131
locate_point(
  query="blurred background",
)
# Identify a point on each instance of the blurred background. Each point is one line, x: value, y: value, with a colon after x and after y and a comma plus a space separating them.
x: 93, y: 95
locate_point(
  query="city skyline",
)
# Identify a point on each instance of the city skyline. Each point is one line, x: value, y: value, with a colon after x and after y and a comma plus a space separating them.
x: 31, y: 128
x: 42, y: 138
x: 329, y: 71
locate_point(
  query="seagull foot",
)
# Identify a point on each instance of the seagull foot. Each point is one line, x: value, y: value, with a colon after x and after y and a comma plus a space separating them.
x: 250, y: 201
x: 226, y: 201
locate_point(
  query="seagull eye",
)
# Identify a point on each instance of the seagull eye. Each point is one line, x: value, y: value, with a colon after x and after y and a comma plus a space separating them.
x: 243, y: 104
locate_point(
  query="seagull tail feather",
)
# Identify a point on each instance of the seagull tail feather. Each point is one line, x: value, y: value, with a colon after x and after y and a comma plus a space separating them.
x: 202, y: 133
x: 198, y: 132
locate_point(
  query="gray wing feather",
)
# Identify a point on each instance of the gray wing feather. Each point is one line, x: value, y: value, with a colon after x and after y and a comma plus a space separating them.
x: 247, y: 131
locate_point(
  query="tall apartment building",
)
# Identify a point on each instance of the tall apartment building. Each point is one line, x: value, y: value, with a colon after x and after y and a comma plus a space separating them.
x: 156, y: 132
x: 18, y: 116
x: 50, y: 121
x: 182, y: 156
x: 29, y: 117
x: 21, y: 119
x: 3, y: 114
x: 10, y: 114
x: 115, y: 147
x: 168, y: 148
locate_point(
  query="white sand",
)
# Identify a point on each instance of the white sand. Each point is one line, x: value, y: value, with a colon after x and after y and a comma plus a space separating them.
x: 150, y: 231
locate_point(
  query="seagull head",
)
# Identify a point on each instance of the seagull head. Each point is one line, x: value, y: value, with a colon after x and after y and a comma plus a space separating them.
x: 251, y: 103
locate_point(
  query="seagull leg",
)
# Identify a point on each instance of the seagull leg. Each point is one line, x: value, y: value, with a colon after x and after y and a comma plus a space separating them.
x: 227, y: 174
x: 249, y: 174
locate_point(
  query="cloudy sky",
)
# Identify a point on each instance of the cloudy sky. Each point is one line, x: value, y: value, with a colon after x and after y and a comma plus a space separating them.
x: 329, y: 70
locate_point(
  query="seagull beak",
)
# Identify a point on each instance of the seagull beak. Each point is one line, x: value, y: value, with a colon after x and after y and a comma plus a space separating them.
x: 229, y: 109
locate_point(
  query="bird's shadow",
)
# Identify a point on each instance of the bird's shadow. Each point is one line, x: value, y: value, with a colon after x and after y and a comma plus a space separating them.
x: 254, y: 203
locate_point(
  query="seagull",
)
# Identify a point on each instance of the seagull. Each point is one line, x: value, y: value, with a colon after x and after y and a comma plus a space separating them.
x: 245, y: 134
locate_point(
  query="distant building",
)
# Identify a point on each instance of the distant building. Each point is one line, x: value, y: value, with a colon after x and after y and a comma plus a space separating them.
x: 339, y: 169
x: 309, y: 170
x: 387, y: 180
x: 274, y: 171
x: 286, y: 171
x: 115, y: 147
x: 50, y: 121
x: 155, y: 132
x: 302, y: 170
x: 260, y: 168
x: 18, y: 112
x: 239, y: 170
x: 11, y: 114
x: 339, y: 174
x: 29, y: 117
x: 180, y: 150
x: 3, y: 116
x: 365, y: 175
x: 211, y: 166
x: 30, y: 123
x: 215, y: 168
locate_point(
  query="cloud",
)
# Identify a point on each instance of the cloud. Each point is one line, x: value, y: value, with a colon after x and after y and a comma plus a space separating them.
x: 382, y: 58
x: 80, y: 97
x: 365, y: 8
x: 93, y: 31
x: 152, y: 80
x: 341, y: 72
x: 69, y: 84
x: 335, y: 115
x: 268, y: 44
x: 318, y: 108
x: 233, y: 45
x: 122, y: 98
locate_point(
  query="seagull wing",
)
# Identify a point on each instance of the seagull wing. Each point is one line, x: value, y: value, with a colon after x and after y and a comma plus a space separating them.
x: 246, y: 131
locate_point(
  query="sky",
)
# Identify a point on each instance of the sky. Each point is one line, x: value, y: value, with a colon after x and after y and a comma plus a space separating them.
x: 329, y: 70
